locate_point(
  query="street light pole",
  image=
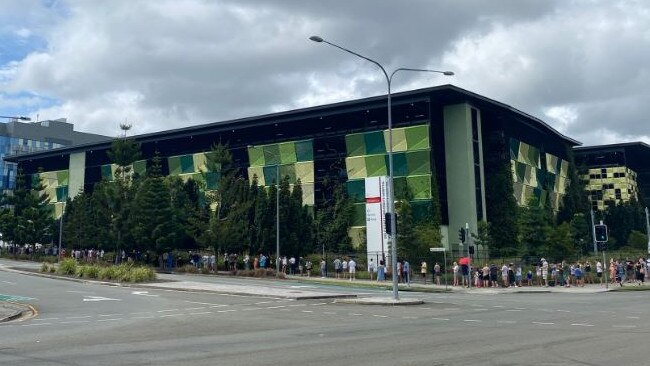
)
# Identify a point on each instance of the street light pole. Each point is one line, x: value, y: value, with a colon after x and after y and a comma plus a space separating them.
x: 391, y: 204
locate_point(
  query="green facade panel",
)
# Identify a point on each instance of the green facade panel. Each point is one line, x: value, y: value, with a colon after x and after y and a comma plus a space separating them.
x: 417, y: 137
x: 305, y: 150
x: 187, y: 164
x: 287, y: 152
x: 374, y: 142
x: 357, y: 190
x: 355, y: 144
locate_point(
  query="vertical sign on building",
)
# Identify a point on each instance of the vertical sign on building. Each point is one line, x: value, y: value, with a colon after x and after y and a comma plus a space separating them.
x: 377, y: 203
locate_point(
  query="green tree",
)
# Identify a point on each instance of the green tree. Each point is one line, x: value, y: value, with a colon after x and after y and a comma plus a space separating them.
x: 536, y: 226
x: 637, y: 240
x: 334, y: 219
x: 580, y: 233
x: 559, y: 245
x: 575, y: 201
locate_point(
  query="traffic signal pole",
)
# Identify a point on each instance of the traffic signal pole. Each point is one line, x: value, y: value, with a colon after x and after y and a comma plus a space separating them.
x: 593, y: 232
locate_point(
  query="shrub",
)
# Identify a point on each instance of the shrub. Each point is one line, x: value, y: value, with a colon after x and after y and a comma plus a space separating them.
x: 68, y: 267
x: 45, y: 267
x: 52, y: 269
x: 80, y: 271
x: 259, y: 273
x: 91, y: 272
x: 107, y: 273
x: 188, y: 268
x: 141, y: 274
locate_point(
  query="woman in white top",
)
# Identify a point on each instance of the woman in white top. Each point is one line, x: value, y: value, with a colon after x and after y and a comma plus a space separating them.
x: 456, y: 274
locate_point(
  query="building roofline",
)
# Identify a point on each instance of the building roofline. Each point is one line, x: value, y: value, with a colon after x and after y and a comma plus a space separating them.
x: 291, y: 115
x: 613, y: 146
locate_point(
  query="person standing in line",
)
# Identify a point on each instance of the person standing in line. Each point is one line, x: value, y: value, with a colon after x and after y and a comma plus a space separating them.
x: 323, y: 267
x: 381, y: 271
x: 399, y: 271
x: 436, y: 273
x: 256, y: 263
x: 344, y: 268
x: 529, y: 278
x: 423, y: 271
x: 538, y: 273
x: 406, y: 268
x: 587, y: 274
x: 352, y: 266
x: 544, y: 272
x: 518, y: 276
x: 511, y: 276
x: 455, y: 272
x: 247, y: 262
x: 599, y: 272
x: 504, y: 275
x: 337, y: 267
x: 371, y: 268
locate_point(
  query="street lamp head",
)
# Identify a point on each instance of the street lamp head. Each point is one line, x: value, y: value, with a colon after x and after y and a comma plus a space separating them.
x: 448, y: 73
x: 316, y: 39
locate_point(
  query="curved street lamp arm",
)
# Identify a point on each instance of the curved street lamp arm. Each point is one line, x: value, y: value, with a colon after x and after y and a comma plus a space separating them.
x: 363, y: 57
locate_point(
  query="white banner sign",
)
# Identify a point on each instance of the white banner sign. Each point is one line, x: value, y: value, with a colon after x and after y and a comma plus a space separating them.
x: 377, y: 204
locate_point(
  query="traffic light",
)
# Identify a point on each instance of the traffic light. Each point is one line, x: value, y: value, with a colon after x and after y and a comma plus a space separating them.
x: 602, y: 246
x: 471, y: 250
x: 461, y: 235
x: 388, y: 219
x: 601, y: 233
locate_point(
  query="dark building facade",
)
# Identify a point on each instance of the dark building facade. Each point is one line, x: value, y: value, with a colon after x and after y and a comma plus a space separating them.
x: 446, y: 141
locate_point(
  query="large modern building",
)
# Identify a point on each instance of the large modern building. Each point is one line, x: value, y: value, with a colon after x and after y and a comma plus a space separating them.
x: 448, y: 143
x: 18, y: 137
x: 615, y: 173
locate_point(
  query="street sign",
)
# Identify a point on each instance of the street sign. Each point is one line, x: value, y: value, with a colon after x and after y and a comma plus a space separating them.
x: 437, y: 249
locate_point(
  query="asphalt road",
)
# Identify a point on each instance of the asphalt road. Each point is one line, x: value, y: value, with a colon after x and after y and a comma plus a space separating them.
x: 84, y: 324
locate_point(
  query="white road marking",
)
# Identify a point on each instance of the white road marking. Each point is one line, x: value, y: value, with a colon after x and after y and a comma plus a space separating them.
x: 202, y: 313
x: 219, y: 306
x: 296, y: 305
x: 513, y: 310
x: 10, y: 283
x: 480, y: 309
x: 164, y: 311
x: 75, y: 322
x: 329, y: 312
x: 507, y: 321
x: 307, y: 311
x: 355, y: 314
x: 78, y: 317
x: 318, y: 304
x: 632, y: 317
x: 142, y: 317
x: 110, y: 314
x: 263, y: 302
x: 251, y: 309
x: 497, y: 306
x: 35, y: 324
x: 42, y: 319
x: 201, y: 303
x: 582, y: 325
x: 472, y: 320
x: 277, y: 307
x: 143, y: 293
x: 563, y: 311
x: 99, y: 298
x: 443, y: 319
x: 543, y: 323
x: 430, y: 308
x: 521, y: 309
x: 109, y: 320
x: 170, y: 315
x: 226, y: 311
x: 624, y: 326
x: 201, y: 308
x: 380, y: 316
x: 141, y: 312
x: 409, y: 317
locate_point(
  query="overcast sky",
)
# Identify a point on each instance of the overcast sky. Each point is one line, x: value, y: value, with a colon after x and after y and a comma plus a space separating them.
x: 582, y: 66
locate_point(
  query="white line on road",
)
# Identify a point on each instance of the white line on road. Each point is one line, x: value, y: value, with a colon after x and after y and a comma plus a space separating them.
x: 251, y: 309
x: 520, y: 308
x: 42, y: 319
x: 142, y: 317
x: 380, y: 316
x: 543, y: 323
x: 409, y: 317
x: 514, y: 310
x: 624, y: 326
x: 9, y: 282
x: 329, y: 312
x: 164, y: 311
x: 201, y: 303
x: 262, y: 302
x: 307, y: 311
x: 277, y: 307
x: 507, y: 321
x: 35, y: 324
x: 563, y: 311
x: 443, y: 319
x: 226, y: 311
x: 170, y: 315
x: 430, y: 308
x: 318, y: 304
x: 298, y: 305
x: 219, y: 306
x: 75, y: 322
x: 201, y: 308
x: 110, y: 314
x: 582, y: 325
x: 109, y: 320
x: 355, y: 314
x: 480, y: 309
x: 141, y: 312
x: 497, y: 306
x: 632, y: 317
x: 78, y: 317
x: 472, y: 320
x: 201, y: 313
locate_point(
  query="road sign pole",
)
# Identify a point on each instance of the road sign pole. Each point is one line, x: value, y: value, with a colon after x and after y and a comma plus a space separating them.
x: 593, y: 232
x: 647, y: 227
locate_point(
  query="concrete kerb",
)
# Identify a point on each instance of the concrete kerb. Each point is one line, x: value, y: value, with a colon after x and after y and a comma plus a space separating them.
x: 11, y: 311
x: 385, y: 301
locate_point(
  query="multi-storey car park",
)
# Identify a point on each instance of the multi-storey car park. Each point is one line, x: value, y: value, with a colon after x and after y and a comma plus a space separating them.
x: 615, y: 173
x: 449, y: 144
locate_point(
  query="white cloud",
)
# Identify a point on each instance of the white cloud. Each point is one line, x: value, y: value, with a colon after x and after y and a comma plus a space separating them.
x: 170, y: 63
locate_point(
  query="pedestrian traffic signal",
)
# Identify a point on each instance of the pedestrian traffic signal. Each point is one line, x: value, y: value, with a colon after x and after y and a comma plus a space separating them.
x: 388, y: 220
x: 601, y: 233
x: 602, y: 246
x: 471, y: 250
x: 461, y: 235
